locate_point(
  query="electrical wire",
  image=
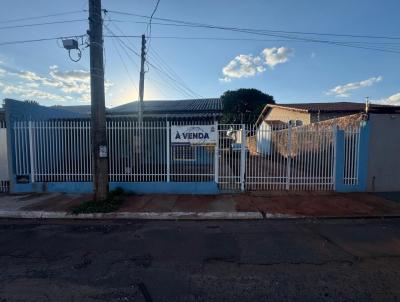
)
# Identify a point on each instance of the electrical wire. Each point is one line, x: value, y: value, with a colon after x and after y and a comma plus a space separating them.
x: 168, y: 69
x: 311, y: 40
x: 160, y: 72
x: 39, y: 40
x: 243, y: 39
x: 40, y: 24
x: 42, y: 16
x: 148, y: 31
x: 125, y: 66
x: 194, y: 24
x: 182, y: 87
x: 151, y: 17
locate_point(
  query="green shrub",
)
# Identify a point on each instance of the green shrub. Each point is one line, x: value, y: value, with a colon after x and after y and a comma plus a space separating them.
x: 114, y: 200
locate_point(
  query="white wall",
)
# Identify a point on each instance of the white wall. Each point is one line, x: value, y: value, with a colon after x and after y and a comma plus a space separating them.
x: 264, y: 139
x: 3, y: 155
x: 286, y: 115
x: 384, y: 153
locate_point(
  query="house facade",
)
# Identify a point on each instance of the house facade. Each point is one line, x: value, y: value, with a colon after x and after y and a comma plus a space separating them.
x: 308, y: 113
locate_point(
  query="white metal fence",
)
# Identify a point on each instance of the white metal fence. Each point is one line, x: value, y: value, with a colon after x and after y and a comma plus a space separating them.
x: 351, y: 151
x: 60, y: 151
x: 277, y: 156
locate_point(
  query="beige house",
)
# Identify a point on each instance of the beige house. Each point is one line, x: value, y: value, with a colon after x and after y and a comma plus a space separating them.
x: 307, y: 113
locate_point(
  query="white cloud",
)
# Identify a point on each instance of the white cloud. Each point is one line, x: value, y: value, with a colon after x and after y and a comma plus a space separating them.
x: 313, y: 55
x: 27, y: 92
x: 394, y: 99
x: 274, y: 56
x: 244, y: 66
x: 391, y: 100
x: 74, y: 84
x: 343, y: 90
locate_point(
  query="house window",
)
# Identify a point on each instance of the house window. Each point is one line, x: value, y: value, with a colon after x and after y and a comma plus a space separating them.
x: 186, y: 153
x: 296, y: 123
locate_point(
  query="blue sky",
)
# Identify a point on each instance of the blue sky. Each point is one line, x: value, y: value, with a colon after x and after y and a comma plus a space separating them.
x: 291, y: 71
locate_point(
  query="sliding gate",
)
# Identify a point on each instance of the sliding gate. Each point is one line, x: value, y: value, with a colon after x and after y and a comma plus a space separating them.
x: 279, y: 156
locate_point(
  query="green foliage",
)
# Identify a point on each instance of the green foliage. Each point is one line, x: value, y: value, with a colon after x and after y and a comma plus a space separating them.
x: 114, y: 200
x: 244, y: 105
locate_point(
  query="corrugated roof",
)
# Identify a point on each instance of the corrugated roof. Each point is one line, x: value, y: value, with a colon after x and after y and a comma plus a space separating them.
x: 188, y: 106
x: 82, y: 109
x: 337, y: 107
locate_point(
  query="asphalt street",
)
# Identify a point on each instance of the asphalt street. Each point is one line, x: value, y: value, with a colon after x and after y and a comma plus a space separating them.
x: 267, y: 260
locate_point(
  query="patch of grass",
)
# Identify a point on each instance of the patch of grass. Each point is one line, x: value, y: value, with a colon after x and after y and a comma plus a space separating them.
x: 112, y: 203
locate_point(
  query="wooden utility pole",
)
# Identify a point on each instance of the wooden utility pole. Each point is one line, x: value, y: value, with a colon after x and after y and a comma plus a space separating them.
x: 141, y: 83
x: 98, y: 117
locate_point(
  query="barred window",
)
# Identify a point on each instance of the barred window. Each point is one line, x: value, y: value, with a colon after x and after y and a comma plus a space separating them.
x: 184, y: 153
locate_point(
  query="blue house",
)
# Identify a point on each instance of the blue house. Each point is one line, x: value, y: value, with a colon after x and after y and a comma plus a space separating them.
x: 48, y: 139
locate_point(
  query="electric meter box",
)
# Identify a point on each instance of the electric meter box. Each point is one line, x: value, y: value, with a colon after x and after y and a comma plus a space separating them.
x: 70, y: 44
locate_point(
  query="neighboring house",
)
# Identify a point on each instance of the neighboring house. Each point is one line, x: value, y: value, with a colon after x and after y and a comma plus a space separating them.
x: 278, y: 116
x: 307, y: 113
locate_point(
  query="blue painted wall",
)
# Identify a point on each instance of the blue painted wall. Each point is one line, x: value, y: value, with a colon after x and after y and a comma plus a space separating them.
x: 135, y: 187
x: 361, y: 186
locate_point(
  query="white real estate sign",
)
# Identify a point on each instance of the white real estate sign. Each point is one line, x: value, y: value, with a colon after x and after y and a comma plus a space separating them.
x: 193, y: 134
x: 3, y: 155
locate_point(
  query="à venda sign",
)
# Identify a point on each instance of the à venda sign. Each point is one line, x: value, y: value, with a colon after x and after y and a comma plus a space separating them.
x: 193, y: 134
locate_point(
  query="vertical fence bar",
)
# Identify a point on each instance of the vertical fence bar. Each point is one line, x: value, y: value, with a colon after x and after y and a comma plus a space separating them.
x: 31, y: 150
x: 243, y: 157
x: 216, y: 153
x: 335, y: 134
x: 289, y: 155
x: 168, y: 144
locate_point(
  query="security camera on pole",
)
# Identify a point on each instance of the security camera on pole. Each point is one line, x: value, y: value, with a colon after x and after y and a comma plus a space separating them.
x: 98, y: 114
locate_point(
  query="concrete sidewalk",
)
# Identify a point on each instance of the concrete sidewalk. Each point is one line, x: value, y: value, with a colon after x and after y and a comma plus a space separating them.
x: 225, y: 206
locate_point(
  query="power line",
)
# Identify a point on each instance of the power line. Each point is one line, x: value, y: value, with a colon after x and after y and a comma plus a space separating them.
x: 179, y: 85
x: 125, y: 45
x: 42, y: 16
x: 151, y: 17
x: 171, y: 71
x: 39, y: 40
x: 124, y: 65
x: 243, y: 39
x: 40, y: 24
x: 296, y: 38
x: 357, y: 44
x: 194, y: 24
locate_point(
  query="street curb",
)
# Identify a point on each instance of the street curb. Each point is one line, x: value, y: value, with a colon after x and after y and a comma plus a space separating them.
x: 176, y: 216
x: 135, y: 215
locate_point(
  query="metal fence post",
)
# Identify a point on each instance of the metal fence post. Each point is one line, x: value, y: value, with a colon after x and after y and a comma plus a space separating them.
x: 31, y: 150
x: 216, y: 152
x: 289, y: 156
x: 335, y: 134
x: 168, y: 152
x: 243, y: 157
